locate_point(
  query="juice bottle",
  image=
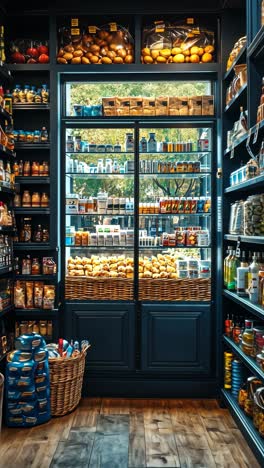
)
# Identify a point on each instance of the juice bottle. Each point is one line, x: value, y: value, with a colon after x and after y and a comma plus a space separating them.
x: 226, y: 260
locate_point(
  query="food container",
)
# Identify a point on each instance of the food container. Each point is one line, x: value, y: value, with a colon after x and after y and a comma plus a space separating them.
x: 72, y: 203
x: 165, y: 42
x: 205, y: 269
x: 108, y: 44
x: 254, y: 216
x: 253, y: 383
x: 258, y: 410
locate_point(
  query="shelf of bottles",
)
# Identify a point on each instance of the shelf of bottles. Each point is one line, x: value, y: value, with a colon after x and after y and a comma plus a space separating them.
x: 169, y: 177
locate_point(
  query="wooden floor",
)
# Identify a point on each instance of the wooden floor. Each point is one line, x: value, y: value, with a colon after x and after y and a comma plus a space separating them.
x: 119, y: 433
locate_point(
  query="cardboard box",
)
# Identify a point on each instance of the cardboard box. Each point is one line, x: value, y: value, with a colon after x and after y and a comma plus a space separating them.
x: 174, y: 105
x: 136, y: 105
x: 208, y: 105
x: 183, y: 105
x: 123, y: 106
x: 161, y: 104
x: 149, y: 106
x: 109, y: 106
x: 195, y: 105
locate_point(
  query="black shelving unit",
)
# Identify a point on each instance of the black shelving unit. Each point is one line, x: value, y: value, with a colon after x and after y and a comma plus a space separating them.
x: 246, y: 239
x: 247, y: 360
x: 243, y: 302
x: 31, y: 246
x: 241, y: 57
x: 6, y: 310
x: 32, y: 146
x: 38, y: 180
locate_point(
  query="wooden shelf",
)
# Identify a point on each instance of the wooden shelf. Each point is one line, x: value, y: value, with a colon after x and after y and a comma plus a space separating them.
x: 241, y: 58
x: 245, y: 303
x: 246, y: 426
x: 247, y: 239
x: 248, y: 185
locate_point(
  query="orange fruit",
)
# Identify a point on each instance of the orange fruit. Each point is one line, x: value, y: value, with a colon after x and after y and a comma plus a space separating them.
x: 200, y: 51
x: 187, y: 59
x: 186, y: 52
x: 195, y: 58
x: 194, y: 50
x: 176, y: 50
x: 165, y: 52
x: 154, y: 53
x: 161, y: 59
x: 209, y: 49
x: 145, y: 51
x: 179, y: 58
x: 207, y: 58
x: 148, y: 59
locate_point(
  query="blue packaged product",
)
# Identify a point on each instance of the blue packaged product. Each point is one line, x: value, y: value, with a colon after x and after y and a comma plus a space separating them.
x: 19, y: 356
x: 40, y: 355
x: 42, y: 404
x: 28, y: 407
x: 21, y: 369
x: 29, y: 342
x: 20, y: 382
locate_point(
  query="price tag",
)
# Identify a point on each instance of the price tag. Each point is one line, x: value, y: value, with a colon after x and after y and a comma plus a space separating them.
x: 113, y: 27
x: 256, y: 134
x: 92, y: 29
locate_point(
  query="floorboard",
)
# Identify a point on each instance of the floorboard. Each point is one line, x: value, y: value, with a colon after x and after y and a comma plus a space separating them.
x: 131, y: 433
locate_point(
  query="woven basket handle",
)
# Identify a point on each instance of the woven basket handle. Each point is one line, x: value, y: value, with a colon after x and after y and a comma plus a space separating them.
x: 84, y: 350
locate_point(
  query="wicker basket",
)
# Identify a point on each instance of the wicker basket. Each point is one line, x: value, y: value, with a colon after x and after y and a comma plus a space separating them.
x: 163, y: 289
x: 66, y: 378
x: 115, y: 289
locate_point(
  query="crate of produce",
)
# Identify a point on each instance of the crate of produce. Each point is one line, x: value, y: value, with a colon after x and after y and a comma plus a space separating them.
x: 66, y: 378
x: 164, y: 289
x: 87, y: 288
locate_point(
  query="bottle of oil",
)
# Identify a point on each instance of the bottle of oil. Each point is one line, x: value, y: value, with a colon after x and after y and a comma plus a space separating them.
x: 232, y: 266
x: 227, y: 258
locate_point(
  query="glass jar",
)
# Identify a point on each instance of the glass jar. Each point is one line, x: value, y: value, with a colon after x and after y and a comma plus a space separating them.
x: 258, y: 410
x: 36, y: 136
x: 17, y: 200
x: 261, y: 288
x: 44, y: 202
x: 27, y: 230
x: 258, y: 339
x: 35, y: 200
x: 38, y: 234
x: 26, y: 169
x: 45, y: 169
x: 35, y: 168
x: 44, y: 135
x: 44, y: 94
x: 43, y: 328
x: 45, y: 235
x: 29, y: 137
x: 35, y: 268
x: 129, y: 142
x: 26, y: 199
x: 253, y: 215
x: 78, y: 238
x: 16, y: 169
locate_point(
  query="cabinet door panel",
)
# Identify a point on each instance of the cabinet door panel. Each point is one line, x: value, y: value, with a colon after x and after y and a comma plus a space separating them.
x: 110, y: 329
x: 176, y: 338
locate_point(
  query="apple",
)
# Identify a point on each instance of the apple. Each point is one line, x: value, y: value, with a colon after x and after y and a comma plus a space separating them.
x: 17, y: 57
x: 42, y: 49
x: 43, y: 58
x: 32, y: 52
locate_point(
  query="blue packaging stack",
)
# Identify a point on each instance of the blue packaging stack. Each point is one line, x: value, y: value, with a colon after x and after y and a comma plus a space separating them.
x: 27, y: 395
x: 238, y: 376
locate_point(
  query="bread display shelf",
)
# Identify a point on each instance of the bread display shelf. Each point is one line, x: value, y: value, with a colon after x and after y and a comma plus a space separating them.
x: 163, y: 289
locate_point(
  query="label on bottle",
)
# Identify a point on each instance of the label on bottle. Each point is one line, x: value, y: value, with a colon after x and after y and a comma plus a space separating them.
x: 92, y: 29
x: 74, y: 22
x: 113, y: 27
x: 75, y: 31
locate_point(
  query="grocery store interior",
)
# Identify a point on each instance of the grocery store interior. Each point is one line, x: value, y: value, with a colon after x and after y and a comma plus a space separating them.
x: 132, y: 234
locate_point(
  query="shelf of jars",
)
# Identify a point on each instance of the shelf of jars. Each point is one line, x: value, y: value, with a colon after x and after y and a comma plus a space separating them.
x: 6, y: 310
x: 240, y: 58
x: 240, y: 142
x: 245, y: 423
x: 245, y: 303
x: 238, y: 100
x: 246, y: 239
x: 247, y: 185
x: 32, y: 180
x: 247, y: 360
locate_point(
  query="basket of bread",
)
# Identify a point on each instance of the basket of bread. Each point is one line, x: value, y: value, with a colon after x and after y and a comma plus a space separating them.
x: 168, y: 277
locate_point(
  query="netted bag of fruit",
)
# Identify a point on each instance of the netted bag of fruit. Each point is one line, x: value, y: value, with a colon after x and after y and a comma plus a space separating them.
x: 115, y: 44
x: 157, y: 43
x: 192, y: 43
